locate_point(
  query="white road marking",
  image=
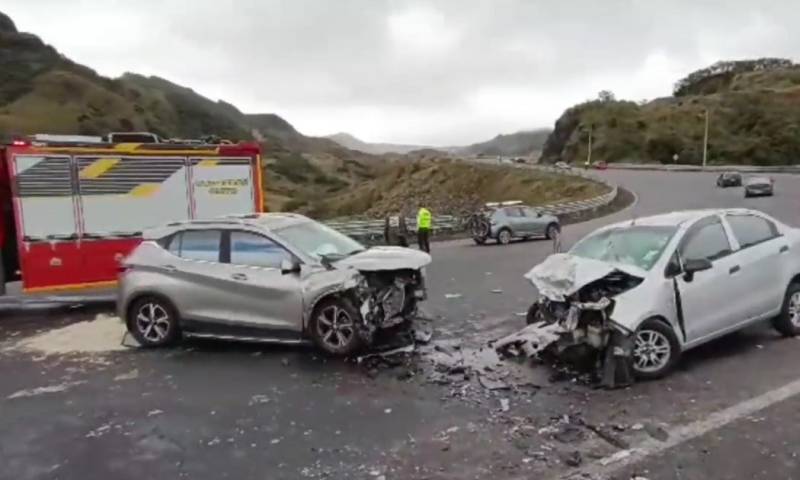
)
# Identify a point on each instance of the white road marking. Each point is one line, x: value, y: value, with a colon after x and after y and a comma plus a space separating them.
x: 608, y: 466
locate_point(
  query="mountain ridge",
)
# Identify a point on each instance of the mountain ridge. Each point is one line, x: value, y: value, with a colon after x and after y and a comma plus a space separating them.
x: 521, y: 143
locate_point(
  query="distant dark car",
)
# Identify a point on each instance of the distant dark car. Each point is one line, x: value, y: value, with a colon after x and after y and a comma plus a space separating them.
x: 758, y: 186
x: 729, y: 179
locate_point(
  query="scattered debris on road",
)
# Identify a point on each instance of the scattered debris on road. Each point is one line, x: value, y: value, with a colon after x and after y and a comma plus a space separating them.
x: 101, y: 335
x: 33, y: 392
x: 452, y: 296
x: 132, y: 375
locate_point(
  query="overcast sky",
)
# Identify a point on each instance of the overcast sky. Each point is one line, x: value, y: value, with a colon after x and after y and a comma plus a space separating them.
x: 423, y: 72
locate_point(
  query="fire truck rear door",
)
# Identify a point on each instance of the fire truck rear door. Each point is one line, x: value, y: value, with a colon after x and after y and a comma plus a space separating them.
x: 222, y: 186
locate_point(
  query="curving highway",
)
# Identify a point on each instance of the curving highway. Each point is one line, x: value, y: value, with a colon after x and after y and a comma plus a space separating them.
x: 460, y: 267
x: 217, y: 410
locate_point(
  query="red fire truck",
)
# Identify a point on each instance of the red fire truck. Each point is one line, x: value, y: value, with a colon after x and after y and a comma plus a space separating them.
x: 71, y: 209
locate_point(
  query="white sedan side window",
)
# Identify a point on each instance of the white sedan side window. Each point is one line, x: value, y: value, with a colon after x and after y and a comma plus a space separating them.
x: 750, y: 229
x: 708, y: 242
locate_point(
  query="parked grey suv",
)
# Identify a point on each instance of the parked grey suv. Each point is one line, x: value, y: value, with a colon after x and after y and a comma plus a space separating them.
x: 277, y: 277
x: 504, y: 221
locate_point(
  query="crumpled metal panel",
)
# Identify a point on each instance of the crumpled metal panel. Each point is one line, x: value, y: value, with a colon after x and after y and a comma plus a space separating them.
x: 562, y: 274
x: 377, y: 259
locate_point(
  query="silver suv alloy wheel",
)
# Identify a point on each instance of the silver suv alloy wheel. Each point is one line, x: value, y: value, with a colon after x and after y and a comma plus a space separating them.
x: 153, y: 322
x: 335, y: 327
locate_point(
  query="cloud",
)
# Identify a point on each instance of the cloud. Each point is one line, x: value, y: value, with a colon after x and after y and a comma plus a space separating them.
x: 437, y: 71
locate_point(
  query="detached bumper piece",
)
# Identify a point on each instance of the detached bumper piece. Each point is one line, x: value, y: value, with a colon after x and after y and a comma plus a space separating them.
x: 579, y: 334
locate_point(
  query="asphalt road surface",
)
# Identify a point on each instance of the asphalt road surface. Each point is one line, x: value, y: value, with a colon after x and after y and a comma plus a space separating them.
x: 215, y: 410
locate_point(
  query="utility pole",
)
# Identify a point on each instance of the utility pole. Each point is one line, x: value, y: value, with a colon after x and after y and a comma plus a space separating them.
x: 705, y: 143
x: 589, y: 155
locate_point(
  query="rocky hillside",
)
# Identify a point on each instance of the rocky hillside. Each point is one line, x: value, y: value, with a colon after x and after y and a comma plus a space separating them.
x: 523, y: 144
x: 754, y: 118
x: 41, y: 91
x: 448, y: 187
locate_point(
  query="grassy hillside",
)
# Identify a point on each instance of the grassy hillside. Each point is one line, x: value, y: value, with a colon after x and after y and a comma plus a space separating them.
x: 449, y: 187
x: 754, y: 118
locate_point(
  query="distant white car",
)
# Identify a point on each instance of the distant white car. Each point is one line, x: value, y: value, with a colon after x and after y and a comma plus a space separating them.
x: 759, y: 186
x: 654, y: 287
x: 562, y: 165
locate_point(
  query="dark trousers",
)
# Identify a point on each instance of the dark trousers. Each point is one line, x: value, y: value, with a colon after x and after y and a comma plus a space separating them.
x: 424, y: 239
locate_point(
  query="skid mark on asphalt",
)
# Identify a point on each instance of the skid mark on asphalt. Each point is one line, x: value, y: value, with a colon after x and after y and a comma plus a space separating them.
x: 610, y: 465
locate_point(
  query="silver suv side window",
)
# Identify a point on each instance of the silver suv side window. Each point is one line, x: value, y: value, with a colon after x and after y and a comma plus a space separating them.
x: 708, y: 241
x: 256, y: 251
x: 197, y: 245
x: 750, y: 229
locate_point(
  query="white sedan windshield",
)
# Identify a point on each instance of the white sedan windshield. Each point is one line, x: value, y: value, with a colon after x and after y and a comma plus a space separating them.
x: 317, y: 240
x: 637, y: 245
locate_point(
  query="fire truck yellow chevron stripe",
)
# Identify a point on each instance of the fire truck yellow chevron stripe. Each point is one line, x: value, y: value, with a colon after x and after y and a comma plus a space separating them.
x: 98, y: 167
x: 208, y: 163
x: 144, y: 190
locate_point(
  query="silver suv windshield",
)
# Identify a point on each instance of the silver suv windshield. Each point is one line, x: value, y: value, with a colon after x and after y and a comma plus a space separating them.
x: 319, y: 241
x: 637, y: 245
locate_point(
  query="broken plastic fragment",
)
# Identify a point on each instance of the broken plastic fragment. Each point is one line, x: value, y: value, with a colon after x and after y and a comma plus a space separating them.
x: 622, y: 454
x: 491, y: 384
x: 504, y: 405
x: 388, y: 353
x: 531, y: 340
x: 452, y: 295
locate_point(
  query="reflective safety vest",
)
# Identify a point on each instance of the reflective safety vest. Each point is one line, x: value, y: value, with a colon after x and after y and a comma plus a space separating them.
x: 424, y: 218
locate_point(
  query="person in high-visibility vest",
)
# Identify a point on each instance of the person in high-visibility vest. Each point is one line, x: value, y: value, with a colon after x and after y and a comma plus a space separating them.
x: 424, y: 221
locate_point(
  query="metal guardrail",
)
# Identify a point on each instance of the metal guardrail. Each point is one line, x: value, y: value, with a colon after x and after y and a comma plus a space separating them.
x: 709, y: 168
x: 371, y: 230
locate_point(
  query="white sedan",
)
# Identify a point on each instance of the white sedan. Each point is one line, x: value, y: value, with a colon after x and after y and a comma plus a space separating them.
x: 654, y: 287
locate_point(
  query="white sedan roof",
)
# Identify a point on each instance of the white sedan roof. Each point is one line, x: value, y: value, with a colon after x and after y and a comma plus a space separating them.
x: 680, y: 217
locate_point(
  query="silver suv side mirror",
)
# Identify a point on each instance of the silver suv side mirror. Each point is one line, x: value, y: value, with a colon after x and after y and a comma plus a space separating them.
x: 289, y: 266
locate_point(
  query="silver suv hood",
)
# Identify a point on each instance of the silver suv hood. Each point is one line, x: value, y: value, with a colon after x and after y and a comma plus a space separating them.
x: 385, y: 258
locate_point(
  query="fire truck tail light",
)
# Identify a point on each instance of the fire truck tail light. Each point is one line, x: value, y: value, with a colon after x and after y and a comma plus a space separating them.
x: 123, y: 268
x: 19, y: 143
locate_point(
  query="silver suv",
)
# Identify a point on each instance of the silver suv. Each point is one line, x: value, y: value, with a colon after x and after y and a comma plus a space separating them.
x: 276, y: 277
x: 504, y: 221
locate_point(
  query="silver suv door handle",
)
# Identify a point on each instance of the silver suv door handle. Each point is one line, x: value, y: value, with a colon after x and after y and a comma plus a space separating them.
x: 784, y: 249
x: 239, y: 276
x: 170, y: 268
x: 734, y: 269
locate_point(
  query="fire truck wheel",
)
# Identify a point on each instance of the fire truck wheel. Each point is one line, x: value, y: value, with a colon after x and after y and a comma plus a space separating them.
x: 153, y: 322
